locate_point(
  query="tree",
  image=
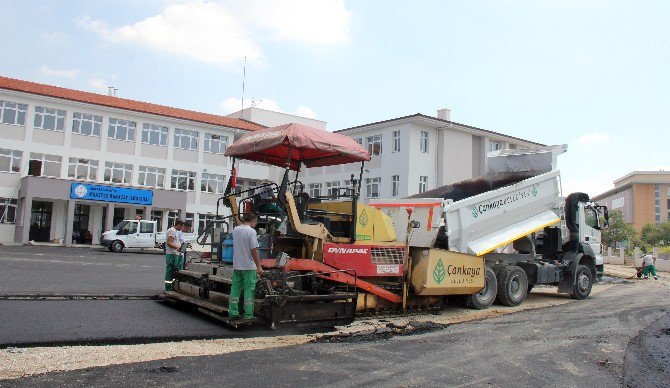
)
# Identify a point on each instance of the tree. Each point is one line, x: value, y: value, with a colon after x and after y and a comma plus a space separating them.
x: 618, y: 231
x: 656, y: 235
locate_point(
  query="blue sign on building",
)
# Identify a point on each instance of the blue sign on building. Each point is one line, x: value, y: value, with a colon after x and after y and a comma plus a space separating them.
x: 111, y: 194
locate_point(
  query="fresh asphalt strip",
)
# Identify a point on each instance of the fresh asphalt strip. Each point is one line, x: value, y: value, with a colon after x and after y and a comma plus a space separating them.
x: 54, y: 322
x: 77, y: 297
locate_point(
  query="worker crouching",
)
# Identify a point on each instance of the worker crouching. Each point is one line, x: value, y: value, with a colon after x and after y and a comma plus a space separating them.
x: 246, y: 268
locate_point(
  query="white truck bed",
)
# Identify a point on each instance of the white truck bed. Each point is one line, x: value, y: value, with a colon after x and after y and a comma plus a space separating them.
x: 481, y: 223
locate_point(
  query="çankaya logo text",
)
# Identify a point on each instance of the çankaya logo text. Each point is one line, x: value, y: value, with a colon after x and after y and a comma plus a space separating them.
x: 363, y: 251
x: 499, y: 203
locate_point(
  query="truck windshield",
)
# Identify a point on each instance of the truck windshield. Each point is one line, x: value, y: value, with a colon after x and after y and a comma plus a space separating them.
x: 591, y: 218
x: 120, y: 225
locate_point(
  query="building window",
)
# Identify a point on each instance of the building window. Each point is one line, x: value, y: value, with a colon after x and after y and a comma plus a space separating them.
x: 315, y: 190
x: 204, y: 220
x: 374, y: 145
x: 333, y: 188
x: 183, y: 180
x: 44, y: 165
x: 157, y: 215
x: 121, y: 130
x: 12, y: 113
x: 212, y: 183
x: 7, y: 210
x: 10, y: 160
x: 424, y: 142
x: 372, y: 185
x: 396, y: 141
x: 85, y: 124
x: 49, y: 119
x: 84, y: 169
x: 185, y: 139
x: 657, y: 202
x: 172, y: 217
x: 215, y: 144
x: 494, y: 146
x: 151, y: 176
x: 118, y: 172
x: 395, y: 185
x: 351, y: 185
x: 253, y: 185
x: 154, y: 134
x: 239, y: 185
x: 423, y: 182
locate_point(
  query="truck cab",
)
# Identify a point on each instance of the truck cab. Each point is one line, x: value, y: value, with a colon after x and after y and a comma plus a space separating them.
x: 592, y: 219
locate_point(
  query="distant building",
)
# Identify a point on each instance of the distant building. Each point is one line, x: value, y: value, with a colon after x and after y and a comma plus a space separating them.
x: 642, y: 196
x: 412, y: 154
x: 270, y: 118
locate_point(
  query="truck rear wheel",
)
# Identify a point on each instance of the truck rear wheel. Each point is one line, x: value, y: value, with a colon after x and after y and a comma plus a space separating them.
x: 512, y: 285
x: 484, y: 298
x: 583, y: 283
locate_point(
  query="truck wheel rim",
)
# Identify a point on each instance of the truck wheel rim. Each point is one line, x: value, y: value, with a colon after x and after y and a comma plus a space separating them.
x: 515, y: 288
x: 583, y: 282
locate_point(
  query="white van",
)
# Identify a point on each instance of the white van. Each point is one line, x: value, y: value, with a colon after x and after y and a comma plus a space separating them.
x: 137, y: 234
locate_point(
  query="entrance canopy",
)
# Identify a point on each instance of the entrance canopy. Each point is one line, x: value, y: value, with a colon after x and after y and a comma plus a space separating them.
x: 309, y: 146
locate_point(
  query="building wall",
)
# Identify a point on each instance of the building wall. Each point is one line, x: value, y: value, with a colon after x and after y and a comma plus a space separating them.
x: 454, y: 154
x: 643, y: 204
x: 623, y: 202
x: 272, y: 119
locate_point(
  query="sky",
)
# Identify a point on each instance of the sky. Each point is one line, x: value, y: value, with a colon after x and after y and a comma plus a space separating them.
x: 590, y: 74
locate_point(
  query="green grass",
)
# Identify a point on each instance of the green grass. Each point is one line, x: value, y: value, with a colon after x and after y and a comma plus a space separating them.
x: 664, y: 249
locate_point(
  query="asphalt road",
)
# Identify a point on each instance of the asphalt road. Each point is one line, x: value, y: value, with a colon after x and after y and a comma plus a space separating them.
x: 31, y: 269
x: 48, y: 270
x: 61, y: 322
x: 578, y: 344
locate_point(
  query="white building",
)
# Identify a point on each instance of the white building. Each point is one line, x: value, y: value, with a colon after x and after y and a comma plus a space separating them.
x: 412, y: 154
x: 51, y: 137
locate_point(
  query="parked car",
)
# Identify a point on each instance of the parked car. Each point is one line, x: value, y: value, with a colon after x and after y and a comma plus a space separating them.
x: 137, y: 234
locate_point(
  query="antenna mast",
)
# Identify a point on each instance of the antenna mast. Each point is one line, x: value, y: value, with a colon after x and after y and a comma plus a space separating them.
x: 244, y: 76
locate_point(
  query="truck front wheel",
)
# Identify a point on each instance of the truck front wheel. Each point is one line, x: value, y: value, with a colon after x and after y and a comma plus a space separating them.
x: 512, y: 285
x: 583, y: 283
x: 484, y: 298
x: 117, y: 246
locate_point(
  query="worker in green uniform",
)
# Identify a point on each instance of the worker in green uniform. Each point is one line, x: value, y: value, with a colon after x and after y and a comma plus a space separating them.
x: 648, y: 262
x: 246, y: 268
x: 172, y: 246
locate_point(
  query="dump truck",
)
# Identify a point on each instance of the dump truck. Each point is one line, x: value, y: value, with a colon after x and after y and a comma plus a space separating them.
x: 329, y: 258
x: 515, y: 220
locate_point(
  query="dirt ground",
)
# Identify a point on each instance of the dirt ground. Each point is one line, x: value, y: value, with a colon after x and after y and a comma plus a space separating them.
x: 19, y: 362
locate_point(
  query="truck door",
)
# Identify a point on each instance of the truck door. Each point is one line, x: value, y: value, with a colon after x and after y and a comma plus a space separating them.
x: 130, y: 232
x: 146, y: 237
x: 589, y: 228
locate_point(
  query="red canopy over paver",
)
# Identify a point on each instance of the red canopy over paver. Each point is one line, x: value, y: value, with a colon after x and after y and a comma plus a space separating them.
x: 309, y: 146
